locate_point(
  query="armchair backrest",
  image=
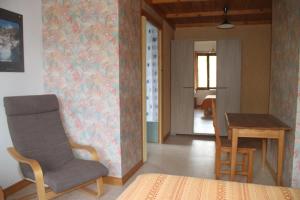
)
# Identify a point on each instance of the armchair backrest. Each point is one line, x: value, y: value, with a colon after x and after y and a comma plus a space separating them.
x: 36, y: 130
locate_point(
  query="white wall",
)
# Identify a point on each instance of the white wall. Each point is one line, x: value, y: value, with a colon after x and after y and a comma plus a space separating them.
x: 30, y: 82
x: 205, y: 46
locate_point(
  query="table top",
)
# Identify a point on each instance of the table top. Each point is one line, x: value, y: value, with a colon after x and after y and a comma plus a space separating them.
x: 254, y: 121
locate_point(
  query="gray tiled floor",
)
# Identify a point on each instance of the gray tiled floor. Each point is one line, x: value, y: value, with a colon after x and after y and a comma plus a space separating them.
x: 181, y: 155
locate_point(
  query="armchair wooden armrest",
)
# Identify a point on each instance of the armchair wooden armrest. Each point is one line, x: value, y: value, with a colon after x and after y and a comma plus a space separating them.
x: 36, y: 168
x: 88, y: 148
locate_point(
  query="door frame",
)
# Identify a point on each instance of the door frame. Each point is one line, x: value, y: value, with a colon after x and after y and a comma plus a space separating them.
x: 144, y: 18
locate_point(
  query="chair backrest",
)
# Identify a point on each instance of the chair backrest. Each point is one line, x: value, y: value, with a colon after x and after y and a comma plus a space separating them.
x: 36, y: 130
x: 215, y: 123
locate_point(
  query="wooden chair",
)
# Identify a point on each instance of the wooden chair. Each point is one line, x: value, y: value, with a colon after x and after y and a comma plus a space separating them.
x: 224, y: 146
x: 44, y: 152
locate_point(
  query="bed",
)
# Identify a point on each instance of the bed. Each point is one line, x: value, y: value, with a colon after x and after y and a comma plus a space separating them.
x: 206, y: 105
x: 167, y: 187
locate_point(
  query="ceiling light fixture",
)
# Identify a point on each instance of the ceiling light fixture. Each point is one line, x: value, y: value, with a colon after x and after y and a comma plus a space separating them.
x: 226, y: 24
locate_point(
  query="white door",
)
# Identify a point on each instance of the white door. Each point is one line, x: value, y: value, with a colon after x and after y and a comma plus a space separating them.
x: 182, y: 87
x: 228, y: 80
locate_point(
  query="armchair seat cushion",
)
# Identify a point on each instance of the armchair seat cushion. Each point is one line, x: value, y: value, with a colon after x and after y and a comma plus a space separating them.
x: 72, y: 174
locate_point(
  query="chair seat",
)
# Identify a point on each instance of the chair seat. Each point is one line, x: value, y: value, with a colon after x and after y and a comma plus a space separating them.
x: 72, y: 174
x: 241, y: 144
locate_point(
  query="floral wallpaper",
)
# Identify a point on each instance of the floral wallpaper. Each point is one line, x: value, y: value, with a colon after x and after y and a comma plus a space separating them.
x: 130, y: 83
x: 285, y: 83
x: 295, y: 23
x: 81, y: 53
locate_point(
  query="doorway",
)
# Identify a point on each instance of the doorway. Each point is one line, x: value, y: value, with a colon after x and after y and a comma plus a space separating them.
x: 221, y: 81
x: 205, y: 83
x: 151, y: 83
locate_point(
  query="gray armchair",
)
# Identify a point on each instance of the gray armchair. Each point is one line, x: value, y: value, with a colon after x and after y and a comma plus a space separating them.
x: 44, y: 151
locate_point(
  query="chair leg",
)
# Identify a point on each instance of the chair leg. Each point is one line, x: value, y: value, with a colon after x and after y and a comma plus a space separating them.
x: 228, y: 156
x: 244, y: 162
x: 100, y: 186
x: 218, y: 163
x: 250, y: 167
x: 264, y: 152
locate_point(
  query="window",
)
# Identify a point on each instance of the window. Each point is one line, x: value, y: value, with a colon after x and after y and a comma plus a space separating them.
x: 206, y: 71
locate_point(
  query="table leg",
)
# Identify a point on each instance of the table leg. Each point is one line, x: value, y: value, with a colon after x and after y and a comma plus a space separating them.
x: 250, y: 167
x: 229, y: 132
x: 233, y: 153
x: 280, y: 156
x: 264, y: 152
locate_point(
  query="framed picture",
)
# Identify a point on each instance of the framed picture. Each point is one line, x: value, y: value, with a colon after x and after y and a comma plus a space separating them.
x: 11, y: 42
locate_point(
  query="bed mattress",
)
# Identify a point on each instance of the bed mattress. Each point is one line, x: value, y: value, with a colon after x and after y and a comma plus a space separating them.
x: 167, y: 187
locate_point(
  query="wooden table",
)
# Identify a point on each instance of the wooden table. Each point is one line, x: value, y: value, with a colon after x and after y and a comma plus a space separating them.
x: 256, y: 126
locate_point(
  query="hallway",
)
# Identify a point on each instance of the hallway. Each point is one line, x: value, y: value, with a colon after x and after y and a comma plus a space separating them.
x: 202, y: 125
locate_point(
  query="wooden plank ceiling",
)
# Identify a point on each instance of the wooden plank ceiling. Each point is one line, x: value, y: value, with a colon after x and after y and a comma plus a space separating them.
x: 188, y: 13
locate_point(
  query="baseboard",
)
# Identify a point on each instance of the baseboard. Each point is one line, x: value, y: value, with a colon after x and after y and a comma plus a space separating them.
x: 121, y: 181
x: 16, y: 187
x: 132, y: 171
x: 110, y: 180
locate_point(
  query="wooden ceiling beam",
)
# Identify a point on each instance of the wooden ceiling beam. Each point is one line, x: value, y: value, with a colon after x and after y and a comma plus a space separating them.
x: 206, y: 24
x: 218, y: 13
x: 159, y: 12
x: 151, y: 19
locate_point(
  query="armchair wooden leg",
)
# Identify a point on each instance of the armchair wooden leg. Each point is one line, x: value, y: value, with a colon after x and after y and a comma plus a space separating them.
x: 250, y: 167
x: 40, y: 188
x: 100, y: 186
